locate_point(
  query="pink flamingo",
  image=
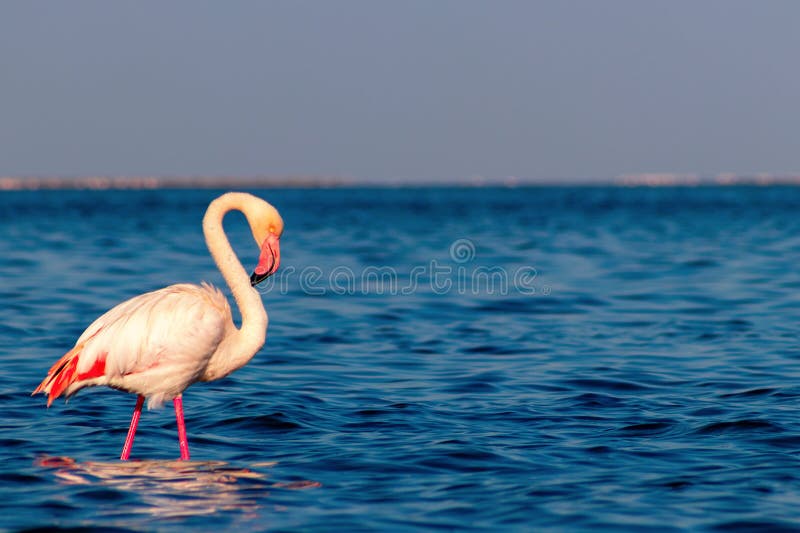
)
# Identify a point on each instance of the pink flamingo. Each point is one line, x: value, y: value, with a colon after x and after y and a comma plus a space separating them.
x: 157, y: 344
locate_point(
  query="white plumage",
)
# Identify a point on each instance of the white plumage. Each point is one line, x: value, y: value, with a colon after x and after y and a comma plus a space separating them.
x: 158, y: 343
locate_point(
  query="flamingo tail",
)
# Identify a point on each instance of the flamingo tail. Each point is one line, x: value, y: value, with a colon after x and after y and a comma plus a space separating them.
x: 64, y: 373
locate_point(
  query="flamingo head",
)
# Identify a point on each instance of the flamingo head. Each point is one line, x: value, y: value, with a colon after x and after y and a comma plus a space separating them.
x: 267, y: 226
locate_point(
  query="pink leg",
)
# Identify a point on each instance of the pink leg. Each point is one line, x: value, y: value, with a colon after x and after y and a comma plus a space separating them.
x: 184, y: 444
x: 137, y: 412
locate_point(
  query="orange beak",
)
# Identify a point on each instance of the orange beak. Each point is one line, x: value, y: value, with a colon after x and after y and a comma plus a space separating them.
x: 268, y: 261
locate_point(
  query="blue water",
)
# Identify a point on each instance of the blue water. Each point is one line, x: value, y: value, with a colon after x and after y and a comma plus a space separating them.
x: 574, y: 359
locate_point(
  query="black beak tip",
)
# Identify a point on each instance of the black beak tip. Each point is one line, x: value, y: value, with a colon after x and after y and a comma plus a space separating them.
x: 255, y: 279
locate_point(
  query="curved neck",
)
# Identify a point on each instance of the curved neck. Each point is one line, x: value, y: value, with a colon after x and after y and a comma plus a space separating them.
x: 252, y: 333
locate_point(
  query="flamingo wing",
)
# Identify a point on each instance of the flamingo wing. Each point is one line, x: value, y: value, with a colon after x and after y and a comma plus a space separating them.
x: 155, y: 344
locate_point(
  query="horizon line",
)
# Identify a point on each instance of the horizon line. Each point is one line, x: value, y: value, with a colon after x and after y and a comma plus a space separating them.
x: 123, y: 182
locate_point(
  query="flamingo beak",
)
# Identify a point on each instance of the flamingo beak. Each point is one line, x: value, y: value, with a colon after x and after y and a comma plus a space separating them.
x: 268, y: 261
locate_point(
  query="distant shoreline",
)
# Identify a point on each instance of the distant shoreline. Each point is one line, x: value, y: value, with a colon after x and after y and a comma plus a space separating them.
x: 33, y: 183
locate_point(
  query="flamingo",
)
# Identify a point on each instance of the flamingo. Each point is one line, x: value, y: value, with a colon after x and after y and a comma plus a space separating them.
x: 158, y: 343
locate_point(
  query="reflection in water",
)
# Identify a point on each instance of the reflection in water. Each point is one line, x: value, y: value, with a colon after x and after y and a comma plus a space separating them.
x: 173, y: 489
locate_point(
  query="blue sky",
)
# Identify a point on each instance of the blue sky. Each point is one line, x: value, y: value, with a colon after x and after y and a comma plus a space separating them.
x: 417, y: 90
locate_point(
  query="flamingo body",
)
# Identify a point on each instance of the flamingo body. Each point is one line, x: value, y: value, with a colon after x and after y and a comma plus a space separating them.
x: 158, y: 343
x: 155, y: 344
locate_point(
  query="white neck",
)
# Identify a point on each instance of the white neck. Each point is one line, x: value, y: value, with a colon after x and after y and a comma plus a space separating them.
x: 237, y: 349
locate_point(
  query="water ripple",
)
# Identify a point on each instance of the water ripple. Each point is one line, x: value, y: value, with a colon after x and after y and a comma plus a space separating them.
x: 645, y: 378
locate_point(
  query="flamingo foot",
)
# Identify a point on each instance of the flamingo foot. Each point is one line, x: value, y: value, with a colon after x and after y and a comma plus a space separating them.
x: 182, y: 442
x: 137, y: 412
